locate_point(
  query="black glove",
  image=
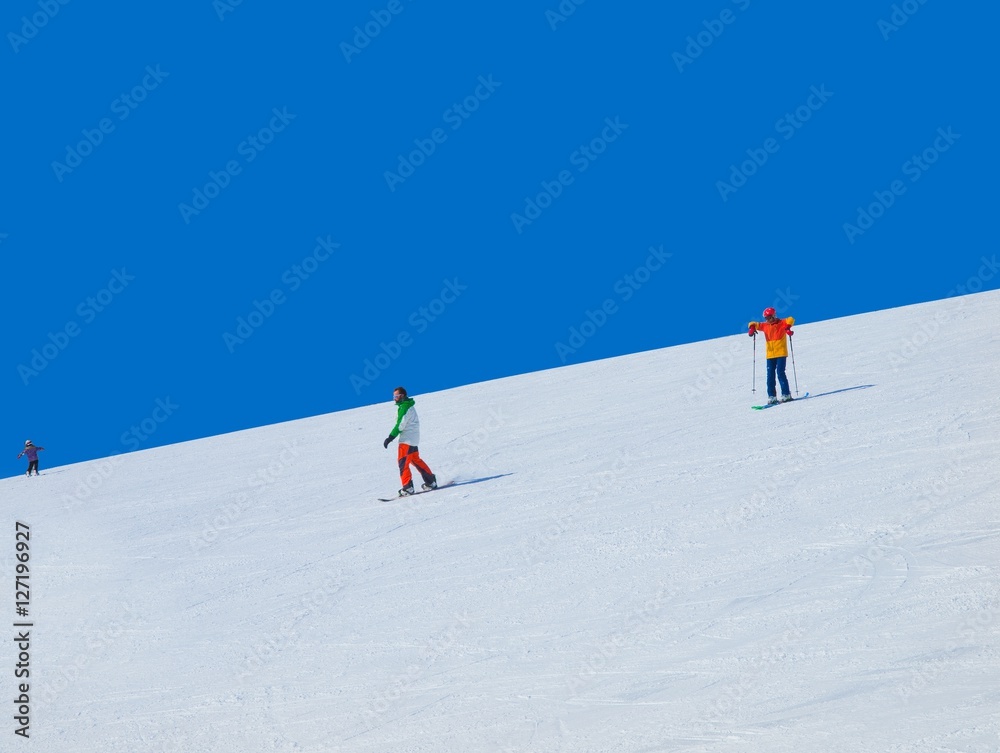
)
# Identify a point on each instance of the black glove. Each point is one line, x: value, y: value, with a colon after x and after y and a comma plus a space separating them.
x: 386, y: 442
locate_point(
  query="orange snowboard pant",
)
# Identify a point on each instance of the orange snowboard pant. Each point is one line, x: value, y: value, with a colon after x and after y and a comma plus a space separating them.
x: 408, y: 455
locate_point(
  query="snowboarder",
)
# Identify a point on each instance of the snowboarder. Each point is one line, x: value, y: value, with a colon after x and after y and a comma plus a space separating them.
x: 775, y: 330
x: 407, y: 428
x: 32, y: 452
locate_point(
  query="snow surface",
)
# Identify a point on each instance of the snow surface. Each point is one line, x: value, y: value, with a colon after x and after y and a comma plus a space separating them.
x: 632, y: 560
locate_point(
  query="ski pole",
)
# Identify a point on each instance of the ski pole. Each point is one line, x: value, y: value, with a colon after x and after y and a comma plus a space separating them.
x: 753, y: 381
x: 796, y: 376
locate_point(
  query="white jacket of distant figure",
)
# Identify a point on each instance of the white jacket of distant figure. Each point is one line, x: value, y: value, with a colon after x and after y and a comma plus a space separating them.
x: 409, y: 424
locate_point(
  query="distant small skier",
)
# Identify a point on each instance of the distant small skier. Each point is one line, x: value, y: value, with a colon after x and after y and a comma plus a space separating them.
x: 407, y: 428
x: 775, y: 330
x: 32, y: 452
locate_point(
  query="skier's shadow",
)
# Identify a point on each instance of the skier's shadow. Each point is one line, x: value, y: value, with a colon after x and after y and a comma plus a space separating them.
x: 479, y: 480
x: 846, y: 389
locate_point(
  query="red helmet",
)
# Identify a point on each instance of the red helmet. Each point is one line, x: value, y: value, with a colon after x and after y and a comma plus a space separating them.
x: 769, y: 311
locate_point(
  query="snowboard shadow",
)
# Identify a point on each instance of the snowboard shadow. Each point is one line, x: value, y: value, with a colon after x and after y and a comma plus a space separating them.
x: 479, y: 480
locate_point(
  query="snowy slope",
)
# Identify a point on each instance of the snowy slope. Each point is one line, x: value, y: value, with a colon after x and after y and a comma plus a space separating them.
x: 632, y: 561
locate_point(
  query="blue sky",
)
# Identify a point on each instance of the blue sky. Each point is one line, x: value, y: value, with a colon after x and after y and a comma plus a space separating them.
x: 223, y: 215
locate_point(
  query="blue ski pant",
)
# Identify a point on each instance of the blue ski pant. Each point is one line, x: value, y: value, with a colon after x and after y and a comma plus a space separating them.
x: 776, y: 368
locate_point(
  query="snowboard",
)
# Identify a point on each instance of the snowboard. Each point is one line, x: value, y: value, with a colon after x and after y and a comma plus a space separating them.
x: 775, y: 405
x: 415, y: 493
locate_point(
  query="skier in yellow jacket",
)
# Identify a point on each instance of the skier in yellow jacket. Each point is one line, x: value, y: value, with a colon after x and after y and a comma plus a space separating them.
x: 775, y: 330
